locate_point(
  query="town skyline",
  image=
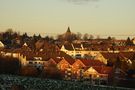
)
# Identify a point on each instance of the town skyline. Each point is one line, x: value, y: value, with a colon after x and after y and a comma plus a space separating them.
x: 55, y: 35
x: 100, y: 61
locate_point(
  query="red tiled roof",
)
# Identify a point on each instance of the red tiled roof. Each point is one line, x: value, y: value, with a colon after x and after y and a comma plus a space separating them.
x: 56, y: 60
x: 70, y: 61
x: 110, y: 55
x: 30, y: 55
x: 119, y: 40
x: 121, y: 55
x: 128, y: 55
x: 103, y: 69
x: 106, y: 70
x: 97, y: 68
x: 92, y: 62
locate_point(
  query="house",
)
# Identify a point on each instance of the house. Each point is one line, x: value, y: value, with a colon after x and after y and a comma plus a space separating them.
x: 133, y: 40
x: 40, y: 58
x: 100, y: 57
x: 26, y: 56
x: 119, y: 42
x: 82, y: 63
x: 65, y: 63
x: 103, y: 73
x: 110, y: 57
x: 91, y: 73
x: 68, y: 49
x: 30, y: 58
x: 15, y: 52
x: 53, y: 61
x: 77, y: 50
x: 124, y: 56
x: 123, y: 48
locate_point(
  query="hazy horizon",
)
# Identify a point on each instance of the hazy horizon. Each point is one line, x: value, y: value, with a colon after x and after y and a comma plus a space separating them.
x: 97, y: 17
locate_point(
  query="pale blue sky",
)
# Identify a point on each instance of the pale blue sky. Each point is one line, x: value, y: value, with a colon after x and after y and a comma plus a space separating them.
x: 102, y: 17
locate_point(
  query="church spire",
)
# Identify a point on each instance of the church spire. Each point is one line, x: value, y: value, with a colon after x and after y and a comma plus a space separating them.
x: 68, y: 30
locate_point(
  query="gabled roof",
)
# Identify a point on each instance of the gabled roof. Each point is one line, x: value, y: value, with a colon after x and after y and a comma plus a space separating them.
x: 106, y: 70
x: 128, y: 55
x: 70, y: 61
x: 110, y: 55
x: 22, y: 50
x: 31, y: 54
x: 121, y: 55
x: 103, y: 69
x: 77, y: 46
x: 119, y: 40
x: 91, y: 70
x: 92, y: 62
x: 63, y: 54
x: 56, y: 60
x: 68, y: 47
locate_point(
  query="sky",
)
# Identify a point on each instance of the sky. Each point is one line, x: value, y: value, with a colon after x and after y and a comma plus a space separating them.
x: 97, y: 17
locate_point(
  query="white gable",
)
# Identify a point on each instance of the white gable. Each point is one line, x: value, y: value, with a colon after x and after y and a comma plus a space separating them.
x: 63, y: 48
x: 1, y: 45
x: 25, y: 44
x: 91, y: 70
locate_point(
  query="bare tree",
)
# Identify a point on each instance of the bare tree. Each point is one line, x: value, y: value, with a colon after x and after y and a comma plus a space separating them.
x: 78, y: 35
x: 60, y: 37
x: 85, y: 36
x: 10, y: 31
x: 98, y: 36
x: 91, y: 36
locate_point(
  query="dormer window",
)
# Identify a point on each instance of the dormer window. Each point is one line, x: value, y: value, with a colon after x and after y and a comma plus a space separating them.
x: 41, y: 50
x: 37, y: 58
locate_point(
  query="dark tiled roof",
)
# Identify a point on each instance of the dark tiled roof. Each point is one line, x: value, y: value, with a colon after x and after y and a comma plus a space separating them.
x: 77, y: 46
x: 86, y: 45
x: 63, y: 54
x: 68, y: 47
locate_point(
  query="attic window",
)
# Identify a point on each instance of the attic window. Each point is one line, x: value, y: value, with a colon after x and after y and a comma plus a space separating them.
x: 38, y: 58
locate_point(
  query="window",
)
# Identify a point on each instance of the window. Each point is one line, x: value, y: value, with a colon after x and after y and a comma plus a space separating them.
x: 30, y: 62
x: 78, y: 55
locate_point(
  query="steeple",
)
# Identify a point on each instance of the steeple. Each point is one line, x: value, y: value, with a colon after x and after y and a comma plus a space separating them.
x: 68, y: 30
